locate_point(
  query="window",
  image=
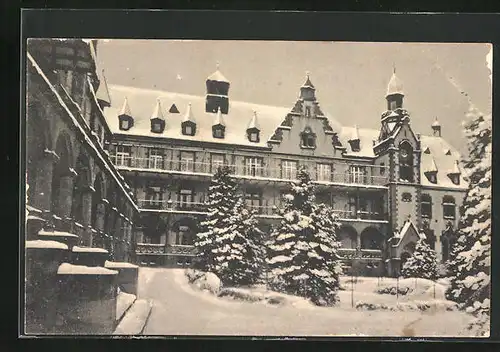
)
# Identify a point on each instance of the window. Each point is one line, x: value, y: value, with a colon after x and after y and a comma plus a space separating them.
x: 308, y: 111
x: 357, y: 174
x: 253, y: 136
x: 218, y: 161
x: 124, y: 124
x: 153, y: 198
x: 122, y: 155
x: 351, y: 207
x: 218, y: 131
x: 253, y: 199
x: 324, y: 172
x: 406, y: 197
x: 455, y: 179
x: 393, y: 105
x: 253, y: 166
x: 426, y: 204
x: 406, y: 162
x: 431, y: 176
x: 308, y: 139
x: 289, y: 169
x: 156, y: 126
x: 448, y: 207
x: 155, y: 160
x: 382, y: 169
x: 187, y: 161
x: 186, y: 197
x: 184, y: 236
x: 188, y: 130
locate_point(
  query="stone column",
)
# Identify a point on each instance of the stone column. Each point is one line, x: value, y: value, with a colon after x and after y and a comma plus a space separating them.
x: 42, y: 198
x: 65, y: 196
x: 101, y: 212
x: 87, y: 215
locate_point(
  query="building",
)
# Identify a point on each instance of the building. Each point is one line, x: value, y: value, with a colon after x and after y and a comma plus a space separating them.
x: 80, y: 211
x: 389, y: 186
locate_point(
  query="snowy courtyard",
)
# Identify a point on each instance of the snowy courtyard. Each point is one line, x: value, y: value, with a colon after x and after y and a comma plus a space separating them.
x: 181, y: 309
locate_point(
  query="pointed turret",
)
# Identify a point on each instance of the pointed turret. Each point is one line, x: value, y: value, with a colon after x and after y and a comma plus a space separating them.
x: 431, y: 170
x: 157, y: 113
x: 253, y: 129
x: 188, y: 123
x: 307, y: 90
x: 125, y: 119
x: 436, y: 128
x: 125, y: 111
x: 395, y: 92
x: 218, y: 127
x: 157, y: 119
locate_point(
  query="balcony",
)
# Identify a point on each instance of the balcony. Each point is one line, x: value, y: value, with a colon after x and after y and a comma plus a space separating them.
x: 164, y: 249
x: 351, y: 253
x: 171, y: 206
x: 188, y: 167
x: 348, y: 215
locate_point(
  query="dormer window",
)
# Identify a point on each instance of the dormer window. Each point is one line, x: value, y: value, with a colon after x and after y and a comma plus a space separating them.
x: 432, y: 177
x: 218, y: 131
x: 253, y: 136
x: 308, y: 139
x: 124, y: 124
x: 188, y: 128
x: 173, y: 109
x: 455, y: 179
x: 157, y: 126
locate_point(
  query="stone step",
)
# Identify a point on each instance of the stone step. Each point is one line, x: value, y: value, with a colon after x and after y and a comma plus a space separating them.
x: 123, y: 303
x: 128, y: 275
x: 89, y: 256
x: 69, y: 239
x: 136, y: 318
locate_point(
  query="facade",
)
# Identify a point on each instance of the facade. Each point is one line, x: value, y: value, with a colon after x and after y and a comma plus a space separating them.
x: 389, y: 186
x: 72, y: 183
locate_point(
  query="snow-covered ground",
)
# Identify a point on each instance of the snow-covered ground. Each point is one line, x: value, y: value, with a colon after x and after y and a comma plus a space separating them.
x: 180, y: 309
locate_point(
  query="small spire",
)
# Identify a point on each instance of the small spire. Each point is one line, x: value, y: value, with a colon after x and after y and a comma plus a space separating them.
x: 189, y: 114
x: 217, y: 75
x: 308, y: 83
x: 432, y: 166
x: 253, y: 122
x: 456, y: 168
x: 217, y: 65
x: 157, y: 113
x: 355, y: 135
x: 395, y: 85
x: 436, y: 122
x: 125, y: 108
x: 218, y: 118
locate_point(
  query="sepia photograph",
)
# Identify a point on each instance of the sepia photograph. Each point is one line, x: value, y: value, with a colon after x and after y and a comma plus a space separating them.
x: 257, y: 188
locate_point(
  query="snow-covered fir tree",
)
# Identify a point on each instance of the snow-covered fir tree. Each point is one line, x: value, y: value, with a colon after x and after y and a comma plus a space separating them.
x: 238, y: 252
x: 423, y: 262
x: 221, y: 201
x: 301, y: 251
x: 471, y: 264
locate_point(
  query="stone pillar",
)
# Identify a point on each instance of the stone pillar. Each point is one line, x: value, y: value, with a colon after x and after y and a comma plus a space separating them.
x: 65, y: 196
x: 42, y: 198
x: 87, y: 215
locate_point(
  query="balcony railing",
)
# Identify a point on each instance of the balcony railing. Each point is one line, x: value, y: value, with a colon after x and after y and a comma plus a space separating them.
x: 163, y: 249
x: 170, y: 205
x: 188, y: 166
x: 351, y: 253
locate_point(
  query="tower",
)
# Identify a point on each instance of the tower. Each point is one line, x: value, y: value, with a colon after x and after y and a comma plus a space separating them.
x: 217, y: 93
x: 395, y: 93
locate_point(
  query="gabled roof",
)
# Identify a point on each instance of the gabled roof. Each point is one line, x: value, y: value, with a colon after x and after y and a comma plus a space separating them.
x: 217, y: 76
x: 157, y: 113
x: 219, y: 120
x: 189, y: 114
x: 395, y: 85
x: 125, y: 108
x: 253, y: 122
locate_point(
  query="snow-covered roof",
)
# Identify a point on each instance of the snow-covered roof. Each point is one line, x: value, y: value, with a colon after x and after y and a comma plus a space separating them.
x: 188, y: 116
x: 366, y: 137
x: 140, y: 103
x: 395, y: 85
x: 219, y: 120
x: 158, y: 112
x: 217, y: 76
x: 254, y: 123
x: 46, y: 244
x: 70, y: 269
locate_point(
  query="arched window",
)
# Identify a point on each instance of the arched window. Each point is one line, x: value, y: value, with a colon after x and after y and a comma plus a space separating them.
x: 426, y: 206
x: 449, y: 207
x: 406, y: 162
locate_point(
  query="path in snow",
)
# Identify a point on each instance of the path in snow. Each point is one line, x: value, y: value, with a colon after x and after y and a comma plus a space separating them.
x: 181, y: 310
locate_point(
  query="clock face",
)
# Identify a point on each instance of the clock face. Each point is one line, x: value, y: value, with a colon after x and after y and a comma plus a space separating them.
x: 404, y: 153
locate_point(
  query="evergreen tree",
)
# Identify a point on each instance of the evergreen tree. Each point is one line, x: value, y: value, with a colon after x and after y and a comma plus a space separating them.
x: 221, y: 201
x: 301, y: 251
x: 238, y: 254
x: 422, y: 264
x: 470, y: 266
